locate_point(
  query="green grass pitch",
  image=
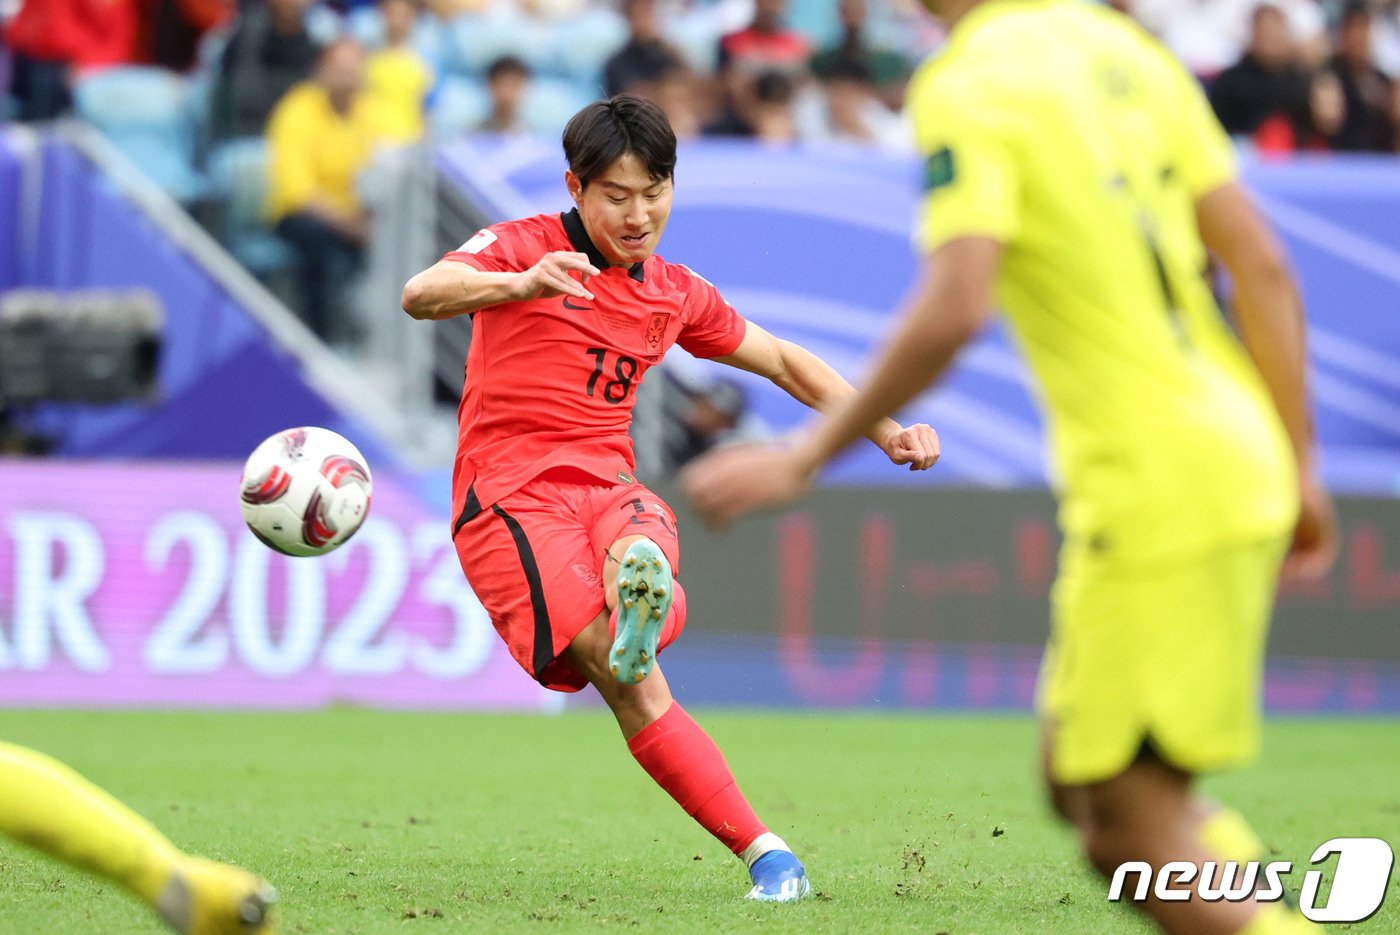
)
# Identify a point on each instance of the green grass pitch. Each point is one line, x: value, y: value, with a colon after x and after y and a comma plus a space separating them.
x: 377, y: 822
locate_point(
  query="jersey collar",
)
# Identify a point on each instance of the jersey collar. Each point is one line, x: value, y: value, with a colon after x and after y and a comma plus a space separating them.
x: 578, y: 236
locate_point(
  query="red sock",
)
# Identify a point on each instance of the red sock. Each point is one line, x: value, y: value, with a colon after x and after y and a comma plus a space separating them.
x: 681, y: 757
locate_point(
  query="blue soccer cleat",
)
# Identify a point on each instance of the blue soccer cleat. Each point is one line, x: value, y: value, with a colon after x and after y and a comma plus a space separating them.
x: 644, y: 587
x: 778, y: 877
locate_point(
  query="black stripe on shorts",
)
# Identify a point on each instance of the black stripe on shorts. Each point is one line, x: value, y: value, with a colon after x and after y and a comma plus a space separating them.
x: 544, y: 636
x: 470, y: 510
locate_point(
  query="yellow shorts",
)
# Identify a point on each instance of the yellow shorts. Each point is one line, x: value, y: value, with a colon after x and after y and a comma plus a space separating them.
x: 1171, y: 656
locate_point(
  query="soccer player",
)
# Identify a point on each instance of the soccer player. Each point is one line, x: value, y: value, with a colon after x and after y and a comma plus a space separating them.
x: 574, y: 558
x: 48, y: 806
x: 1075, y: 172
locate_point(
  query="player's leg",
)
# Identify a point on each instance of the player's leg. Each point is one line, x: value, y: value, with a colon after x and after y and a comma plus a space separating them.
x: 48, y: 806
x: 647, y: 610
x: 684, y: 761
x: 1151, y: 679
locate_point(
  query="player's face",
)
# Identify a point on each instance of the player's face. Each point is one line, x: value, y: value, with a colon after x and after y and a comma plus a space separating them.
x: 624, y: 210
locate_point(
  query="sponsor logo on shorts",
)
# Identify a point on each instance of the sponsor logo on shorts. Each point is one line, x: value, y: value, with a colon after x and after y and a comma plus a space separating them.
x: 587, y: 575
x: 1359, y: 881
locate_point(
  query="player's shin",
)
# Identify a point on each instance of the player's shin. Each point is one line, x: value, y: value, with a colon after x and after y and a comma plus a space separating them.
x: 52, y: 808
x: 681, y: 757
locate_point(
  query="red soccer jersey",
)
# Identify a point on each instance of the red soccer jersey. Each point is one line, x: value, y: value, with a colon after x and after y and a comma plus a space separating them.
x: 551, y: 382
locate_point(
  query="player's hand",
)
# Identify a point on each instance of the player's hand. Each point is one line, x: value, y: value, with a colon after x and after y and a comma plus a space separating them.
x: 736, y: 481
x: 1315, y: 537
x: 552, y: 276
x: 916, y: 446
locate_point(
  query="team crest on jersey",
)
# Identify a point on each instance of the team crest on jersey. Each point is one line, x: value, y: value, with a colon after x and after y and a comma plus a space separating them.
x: 939, y: 169
x: 656, y: 330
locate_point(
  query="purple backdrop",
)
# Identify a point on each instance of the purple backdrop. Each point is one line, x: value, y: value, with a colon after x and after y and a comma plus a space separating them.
x: 139, y: 585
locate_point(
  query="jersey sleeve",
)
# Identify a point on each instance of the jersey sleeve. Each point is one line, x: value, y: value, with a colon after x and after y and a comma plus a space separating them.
x: 970, y: 173
x: 1204, y: 154
x: 509, y: 247
x: 711, y: 328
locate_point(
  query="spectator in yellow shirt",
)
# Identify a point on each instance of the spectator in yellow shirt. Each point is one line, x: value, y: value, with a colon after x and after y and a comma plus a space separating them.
x: 398, y: 77
x: 320, y: 136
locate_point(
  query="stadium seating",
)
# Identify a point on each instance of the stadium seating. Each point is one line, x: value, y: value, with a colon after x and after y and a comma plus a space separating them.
x: 459, y: 104
x: 583, y: 45
x: 150, y: 116
x: 238, y: 169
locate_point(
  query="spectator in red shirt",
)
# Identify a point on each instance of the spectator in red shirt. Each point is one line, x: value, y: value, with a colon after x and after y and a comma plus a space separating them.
x: 766, y: 45
x: 52, y: 39
x: 169, y: 31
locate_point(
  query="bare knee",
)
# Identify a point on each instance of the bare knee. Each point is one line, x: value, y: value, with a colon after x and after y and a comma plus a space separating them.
x: 635, y: 706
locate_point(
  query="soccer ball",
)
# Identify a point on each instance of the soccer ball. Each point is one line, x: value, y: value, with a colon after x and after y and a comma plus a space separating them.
x: 305, y: 491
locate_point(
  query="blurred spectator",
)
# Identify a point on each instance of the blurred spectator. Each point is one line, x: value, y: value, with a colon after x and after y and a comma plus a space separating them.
x: 645, y: 57
x: 1209, y: 35
x: 50, y: 40
x: 700, y: 412
x: 507, y: 80
x: 320, y: 136
x: 268, y: 52
x: 397, y: 78
x: 1367, y: 89
x: 850, y: 112
x: 1386, y: 31
x: 170, y: 31
x: 1311, y: 126
x: 771, y: 115
x: 1267, y: 83
x: 889, y: 71
x: 675, y: 92
x: 1395, y: 116
x: 766, y: 45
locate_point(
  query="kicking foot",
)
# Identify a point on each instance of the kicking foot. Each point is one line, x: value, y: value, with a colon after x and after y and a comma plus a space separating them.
x: 208, y: 898
x: 644, y: 591
x: 778, y: 877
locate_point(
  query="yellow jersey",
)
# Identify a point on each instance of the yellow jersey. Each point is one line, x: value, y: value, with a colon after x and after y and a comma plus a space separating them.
x: 1062, y: 130
x: 315, y: 152
x: 399, y: 80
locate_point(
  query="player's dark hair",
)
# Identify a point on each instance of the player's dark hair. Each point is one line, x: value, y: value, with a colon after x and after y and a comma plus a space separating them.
x: 605, y: 131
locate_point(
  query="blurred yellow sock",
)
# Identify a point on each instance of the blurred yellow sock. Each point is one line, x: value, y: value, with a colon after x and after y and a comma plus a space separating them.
x: 1229, y: 837
x: 1278, y: 919
x: 48, y: 806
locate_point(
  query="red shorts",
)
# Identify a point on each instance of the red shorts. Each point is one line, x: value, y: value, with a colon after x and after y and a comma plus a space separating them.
x: 535, y: 561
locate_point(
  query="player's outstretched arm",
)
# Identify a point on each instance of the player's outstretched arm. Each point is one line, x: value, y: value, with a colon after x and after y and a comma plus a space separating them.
x: 813, y: 382
x: 449, y: 288
x: 947, y: 309
x: 1269, y: 316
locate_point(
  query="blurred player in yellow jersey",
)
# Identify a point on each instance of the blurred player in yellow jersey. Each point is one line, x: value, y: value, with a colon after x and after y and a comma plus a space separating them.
x: 1076, y: 178
x: 48, y: 806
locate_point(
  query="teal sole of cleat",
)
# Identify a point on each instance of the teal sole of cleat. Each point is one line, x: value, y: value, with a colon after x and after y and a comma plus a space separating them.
x: 787, y: 894
x: 644, y: 587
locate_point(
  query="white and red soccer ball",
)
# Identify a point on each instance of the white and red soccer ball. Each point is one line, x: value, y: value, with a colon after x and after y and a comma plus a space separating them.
x: 305, y: 491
